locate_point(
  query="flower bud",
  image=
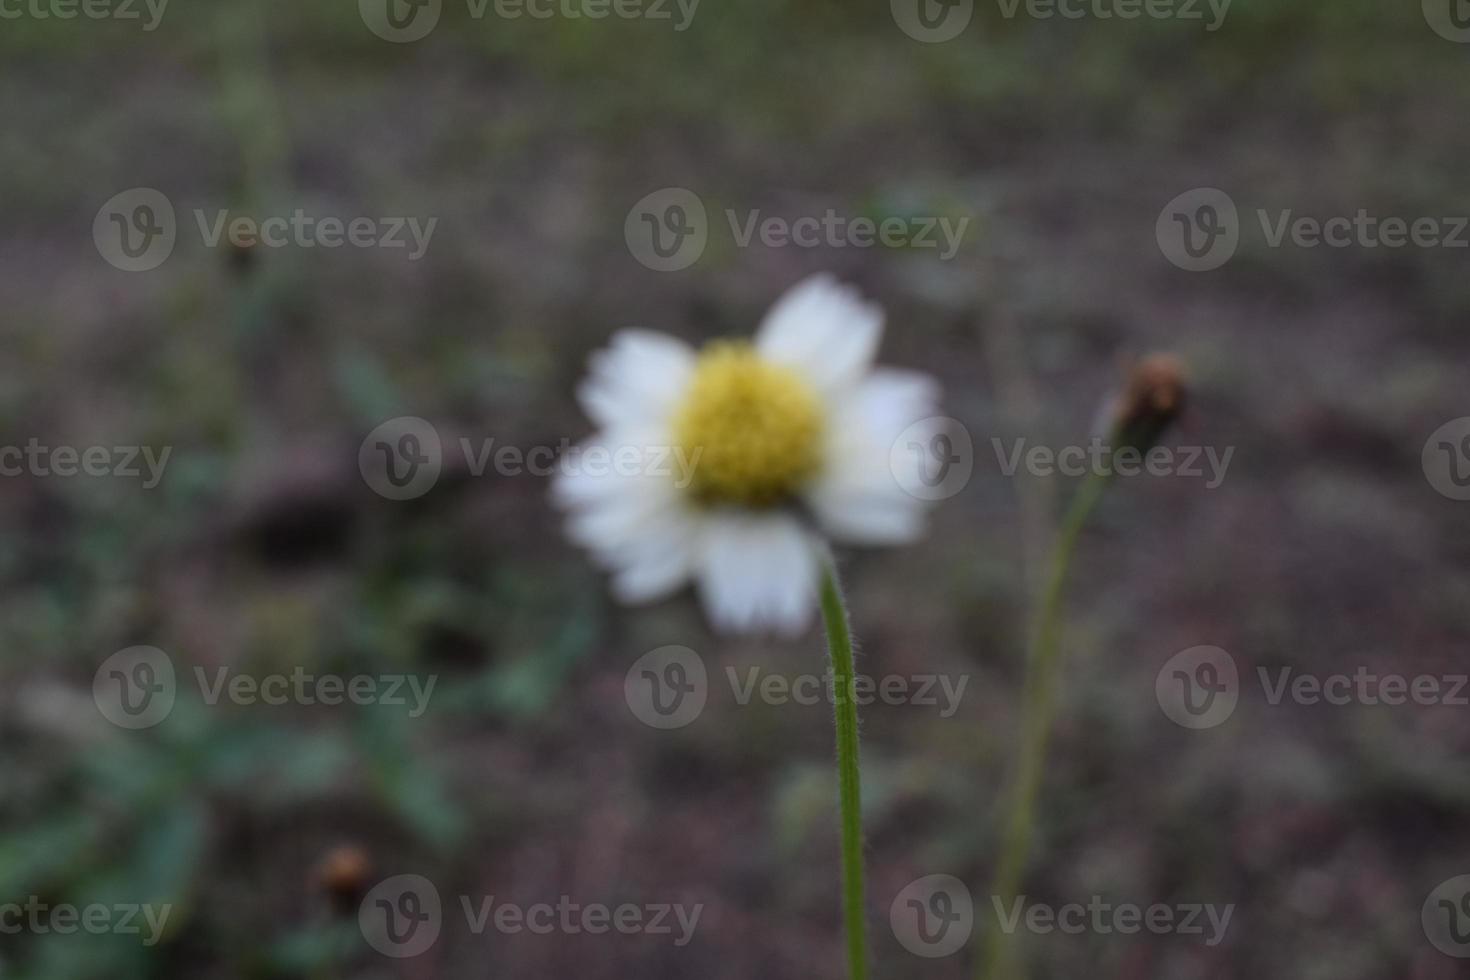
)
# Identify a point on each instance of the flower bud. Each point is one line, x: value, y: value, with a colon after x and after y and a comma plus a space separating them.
x: 342, y: 874
x: 1152, y: 399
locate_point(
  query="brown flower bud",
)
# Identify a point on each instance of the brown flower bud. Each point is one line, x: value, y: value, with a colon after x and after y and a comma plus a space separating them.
x: 1152, y: 400
x: 342, y: 874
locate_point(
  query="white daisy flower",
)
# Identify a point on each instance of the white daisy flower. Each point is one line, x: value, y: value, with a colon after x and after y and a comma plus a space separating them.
x: 768, y: 448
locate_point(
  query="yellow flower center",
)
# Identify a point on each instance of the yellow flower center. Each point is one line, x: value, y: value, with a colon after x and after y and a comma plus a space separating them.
x: 756, y: 427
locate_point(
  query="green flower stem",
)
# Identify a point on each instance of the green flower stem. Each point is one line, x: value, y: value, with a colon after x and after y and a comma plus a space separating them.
x: 1038, y: 706
x: 849, y: 782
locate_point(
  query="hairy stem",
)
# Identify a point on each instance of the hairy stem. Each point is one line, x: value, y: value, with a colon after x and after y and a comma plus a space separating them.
x: 849, y: 783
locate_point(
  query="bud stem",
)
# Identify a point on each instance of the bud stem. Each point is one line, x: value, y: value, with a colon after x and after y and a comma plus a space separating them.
x: 1038, y: 706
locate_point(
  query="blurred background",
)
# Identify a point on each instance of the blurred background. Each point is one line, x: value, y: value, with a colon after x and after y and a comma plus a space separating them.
x: 260, y: 549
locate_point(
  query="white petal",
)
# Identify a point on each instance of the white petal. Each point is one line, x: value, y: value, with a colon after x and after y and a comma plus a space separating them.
x: 659, y: 561
x: 823, y: 329
x: 857, y: 498
x: 862, y: 518
x: 634, y: 519
x: 637, y: 380
x: 589, y: 471
x: 757, y: 571
x: 657, y: 574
